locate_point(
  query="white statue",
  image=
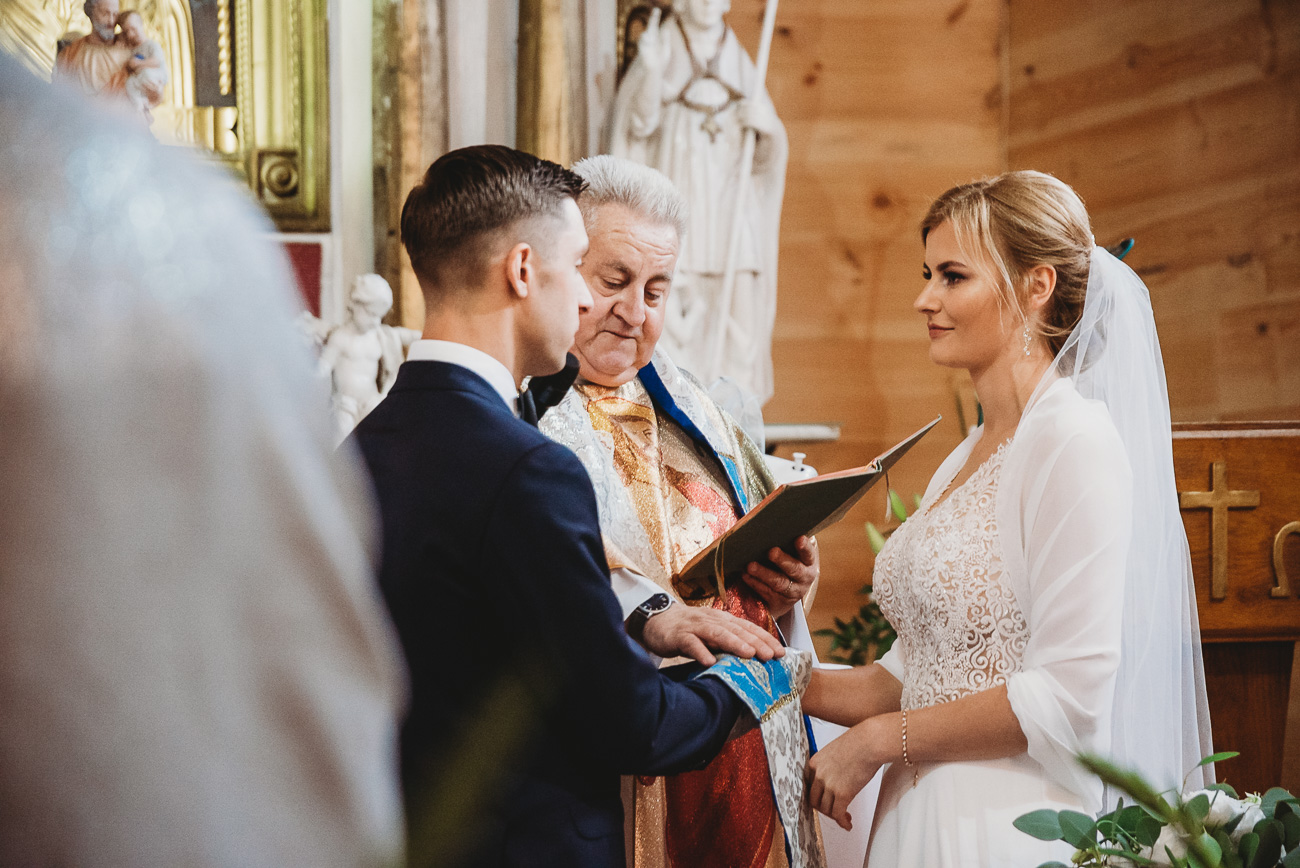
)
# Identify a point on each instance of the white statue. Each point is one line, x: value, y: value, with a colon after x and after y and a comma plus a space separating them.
x: 362, y: 355
x: 682, y: 108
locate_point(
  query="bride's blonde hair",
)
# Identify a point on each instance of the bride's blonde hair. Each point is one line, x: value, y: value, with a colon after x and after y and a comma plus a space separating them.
x: 1013, y: 222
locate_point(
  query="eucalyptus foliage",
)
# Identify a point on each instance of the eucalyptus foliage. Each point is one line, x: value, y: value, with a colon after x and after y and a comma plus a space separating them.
x: 1212, y: 828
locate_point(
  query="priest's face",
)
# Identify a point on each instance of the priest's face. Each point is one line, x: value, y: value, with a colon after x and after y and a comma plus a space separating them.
x: 703, y: 14
x: 629, y: 270
x: 960, y: 302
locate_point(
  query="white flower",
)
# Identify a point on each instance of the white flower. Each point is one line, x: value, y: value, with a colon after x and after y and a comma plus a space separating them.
x: 1171, y: 841
x: 1253, y: 815
x: 1223, y: 807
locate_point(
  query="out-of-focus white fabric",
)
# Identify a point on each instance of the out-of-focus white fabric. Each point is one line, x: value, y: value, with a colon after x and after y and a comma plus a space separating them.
x: 195, y: 667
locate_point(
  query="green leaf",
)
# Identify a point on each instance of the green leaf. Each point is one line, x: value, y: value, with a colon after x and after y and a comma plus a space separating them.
x: 1247, y: 847
x: 1078, y: 830
x: 1198, y: 808
x: 1148, y: 830
x: 1053, y: 865
x: 1128, y: 818
x: 1290, y: 830
x: 1226, y: 851
x: 1043, y: 824
x: 1224, y: 788
x: 1292, y: 859
x: 916, y: 499
x: 1230, y: 857
x: 1127, y: 781
x: 1136, y: 858
x: 1205, y: 852
x: 876, y: 538
x: 1270, y: 844
x: 1269, y: 803
x: 1218, y: 757
x: 896, y: 506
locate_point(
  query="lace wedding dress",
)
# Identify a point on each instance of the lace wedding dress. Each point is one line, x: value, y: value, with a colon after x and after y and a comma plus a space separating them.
x: 941, y: 582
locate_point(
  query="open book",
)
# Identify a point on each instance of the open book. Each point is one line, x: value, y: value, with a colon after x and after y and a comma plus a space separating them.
x: 792, y: 510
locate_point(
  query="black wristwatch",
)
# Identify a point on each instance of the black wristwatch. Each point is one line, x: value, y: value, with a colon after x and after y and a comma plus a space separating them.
x: 644, y: 612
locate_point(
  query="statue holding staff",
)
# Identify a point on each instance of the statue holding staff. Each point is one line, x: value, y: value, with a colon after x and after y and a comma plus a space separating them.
x: 683, y: 108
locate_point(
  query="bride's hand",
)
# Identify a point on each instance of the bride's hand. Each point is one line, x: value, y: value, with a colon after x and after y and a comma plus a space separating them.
x: 840, y: 770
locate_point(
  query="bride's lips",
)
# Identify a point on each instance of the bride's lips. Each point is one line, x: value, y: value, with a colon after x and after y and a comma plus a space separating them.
x: 936, y: 331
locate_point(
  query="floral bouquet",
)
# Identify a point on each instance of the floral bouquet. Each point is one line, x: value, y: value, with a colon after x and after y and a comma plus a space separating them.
x: 1204, y: 829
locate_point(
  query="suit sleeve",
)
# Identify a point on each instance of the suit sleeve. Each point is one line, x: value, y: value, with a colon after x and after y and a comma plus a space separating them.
x: 547, y: 550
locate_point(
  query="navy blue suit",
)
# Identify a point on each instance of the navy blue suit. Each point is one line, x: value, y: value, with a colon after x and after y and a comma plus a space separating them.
x: 495, y: 574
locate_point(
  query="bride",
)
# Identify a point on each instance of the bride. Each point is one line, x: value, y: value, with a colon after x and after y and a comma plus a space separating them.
x: 1042, y: 591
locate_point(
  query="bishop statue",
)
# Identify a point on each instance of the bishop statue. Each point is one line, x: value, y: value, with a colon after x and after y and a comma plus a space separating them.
x: 683, y: 108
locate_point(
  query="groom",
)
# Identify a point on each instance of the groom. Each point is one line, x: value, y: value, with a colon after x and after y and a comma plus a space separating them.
x: 528, y: 699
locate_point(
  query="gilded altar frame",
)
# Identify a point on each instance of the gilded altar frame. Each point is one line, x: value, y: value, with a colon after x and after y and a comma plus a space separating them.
x: 268, y: 122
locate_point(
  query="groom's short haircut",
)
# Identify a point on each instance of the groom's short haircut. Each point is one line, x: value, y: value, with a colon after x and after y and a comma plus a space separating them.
x: 472, y: 205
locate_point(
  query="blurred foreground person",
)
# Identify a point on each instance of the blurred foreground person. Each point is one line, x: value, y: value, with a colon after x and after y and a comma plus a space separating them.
x: 194, y: 665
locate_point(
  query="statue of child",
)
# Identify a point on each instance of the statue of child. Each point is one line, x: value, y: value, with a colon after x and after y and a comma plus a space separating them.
x: 363, y: 355
x: 146, y: 69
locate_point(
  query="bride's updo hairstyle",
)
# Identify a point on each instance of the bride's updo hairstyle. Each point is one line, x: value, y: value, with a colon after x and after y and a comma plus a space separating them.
x: 1013, y: 222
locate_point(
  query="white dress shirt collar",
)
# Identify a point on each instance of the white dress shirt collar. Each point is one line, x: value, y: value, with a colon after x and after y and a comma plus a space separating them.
x: 490, y: 369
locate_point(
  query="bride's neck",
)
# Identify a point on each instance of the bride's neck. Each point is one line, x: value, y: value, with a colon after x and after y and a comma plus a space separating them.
x: 1005, y: 387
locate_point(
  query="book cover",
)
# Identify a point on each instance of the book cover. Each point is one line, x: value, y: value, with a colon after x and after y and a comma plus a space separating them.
x: 795, y: 509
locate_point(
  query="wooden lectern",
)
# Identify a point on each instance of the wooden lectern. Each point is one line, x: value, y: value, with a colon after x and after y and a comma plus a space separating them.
x: 1239, y: 489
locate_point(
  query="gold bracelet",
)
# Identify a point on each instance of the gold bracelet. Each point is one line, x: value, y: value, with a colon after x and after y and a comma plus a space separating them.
x: 916, y: 771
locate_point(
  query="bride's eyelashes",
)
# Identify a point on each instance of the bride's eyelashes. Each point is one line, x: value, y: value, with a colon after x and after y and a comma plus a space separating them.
x: 951, y: 276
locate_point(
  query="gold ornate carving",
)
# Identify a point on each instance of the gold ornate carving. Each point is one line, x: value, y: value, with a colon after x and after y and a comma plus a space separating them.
x: 277, y: 176
x: 1219, y: 499
x: 1281, y: 584
x: 270, y: 53
x: 223, y: 47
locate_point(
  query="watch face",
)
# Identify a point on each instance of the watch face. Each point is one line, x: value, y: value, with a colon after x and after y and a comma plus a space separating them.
x: 656, y: 604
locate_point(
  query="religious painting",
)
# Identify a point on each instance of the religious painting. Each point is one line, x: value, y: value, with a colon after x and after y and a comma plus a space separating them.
x: 244, y: 82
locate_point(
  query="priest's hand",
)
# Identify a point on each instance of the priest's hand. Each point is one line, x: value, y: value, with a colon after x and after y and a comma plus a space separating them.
x: 839, y: 771
x: 691, y: 631
x: 790, y: 577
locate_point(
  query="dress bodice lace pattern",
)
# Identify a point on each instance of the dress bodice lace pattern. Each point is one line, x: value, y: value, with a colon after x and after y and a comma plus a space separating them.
x: 940, y: 581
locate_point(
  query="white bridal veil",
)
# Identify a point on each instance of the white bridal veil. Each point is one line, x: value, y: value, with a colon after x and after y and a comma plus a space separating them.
x: 1159, y: 721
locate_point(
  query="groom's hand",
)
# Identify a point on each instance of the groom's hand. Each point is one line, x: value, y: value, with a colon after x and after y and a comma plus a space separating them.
x: 789, y: 578
x: 691, y: 631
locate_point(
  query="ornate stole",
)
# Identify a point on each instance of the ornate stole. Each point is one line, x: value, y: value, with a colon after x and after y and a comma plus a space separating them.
x: 771, y: 691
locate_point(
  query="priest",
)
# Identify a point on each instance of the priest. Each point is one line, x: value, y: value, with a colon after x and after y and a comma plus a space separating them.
x: 672, y: 471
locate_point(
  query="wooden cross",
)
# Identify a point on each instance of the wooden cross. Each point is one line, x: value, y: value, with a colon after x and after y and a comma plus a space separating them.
x: 1219, y: 499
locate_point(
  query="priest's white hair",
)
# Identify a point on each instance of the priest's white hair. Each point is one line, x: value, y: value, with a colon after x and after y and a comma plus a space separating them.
x: 617, y: 181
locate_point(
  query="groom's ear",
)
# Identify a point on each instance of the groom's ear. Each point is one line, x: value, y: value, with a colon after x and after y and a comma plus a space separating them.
x: 521, y: 269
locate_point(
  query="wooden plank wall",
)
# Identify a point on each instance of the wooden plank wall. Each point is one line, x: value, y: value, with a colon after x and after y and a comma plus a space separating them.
x: 1178, y: 121
x: 886, y: 105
